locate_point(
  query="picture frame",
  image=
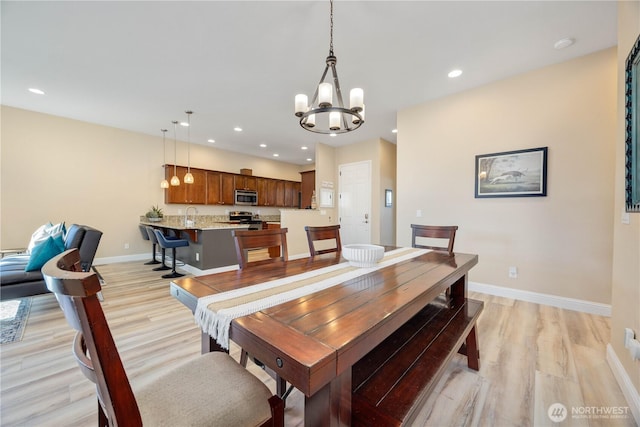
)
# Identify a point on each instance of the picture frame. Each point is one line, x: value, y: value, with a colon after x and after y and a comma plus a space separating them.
x: 520, y: 173
x: 632, y: 123
x: 388, y: 198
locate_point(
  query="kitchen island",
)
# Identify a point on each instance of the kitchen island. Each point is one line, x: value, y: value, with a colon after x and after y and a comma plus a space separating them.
x: 210, y: 243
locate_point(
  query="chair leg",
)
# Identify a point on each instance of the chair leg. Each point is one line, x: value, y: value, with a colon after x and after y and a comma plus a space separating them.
x: 163, y: 266
x: 173, y: 273
x: 153, y: 256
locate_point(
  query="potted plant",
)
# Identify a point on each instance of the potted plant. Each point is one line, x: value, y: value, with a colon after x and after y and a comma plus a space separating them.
x: 154, y: 214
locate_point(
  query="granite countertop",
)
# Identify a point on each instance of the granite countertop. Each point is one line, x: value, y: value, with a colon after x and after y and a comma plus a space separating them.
x: 202, y: 222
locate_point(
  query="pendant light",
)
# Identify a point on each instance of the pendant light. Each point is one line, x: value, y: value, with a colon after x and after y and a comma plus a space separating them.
x: 324, y: 104
x: 188, y: 178
x: 175, y: 181
x: 164, y: 183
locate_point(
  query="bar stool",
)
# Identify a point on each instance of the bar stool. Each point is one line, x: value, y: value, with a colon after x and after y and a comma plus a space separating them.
x: 154, y: 240
x: 145, y: 236
x: 165, y: 243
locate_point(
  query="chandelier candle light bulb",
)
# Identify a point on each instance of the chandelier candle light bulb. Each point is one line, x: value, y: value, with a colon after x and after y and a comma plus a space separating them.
x: 334, y: 120
x: 356, y: 99
x: 355, y: 120
x: 311, y: 120
x: 325, y: 95
x: 302, y: 104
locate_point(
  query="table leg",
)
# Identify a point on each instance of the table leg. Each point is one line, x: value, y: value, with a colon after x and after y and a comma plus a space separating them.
x: 459, y: 291
x: 208, y: 344
x: 331, y: 405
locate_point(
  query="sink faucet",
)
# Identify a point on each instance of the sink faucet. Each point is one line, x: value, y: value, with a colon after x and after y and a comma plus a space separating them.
x: 191, y: 223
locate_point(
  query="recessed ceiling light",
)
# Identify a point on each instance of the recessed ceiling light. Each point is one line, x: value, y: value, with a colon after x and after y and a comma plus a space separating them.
x: 36, y: 91
x: 263, y: 145
x: 185, y: 124
x: 276, y: 155
x: 333, y: 134
x: 562, y: 43
x: 303, y: 148
x: 211, y: 140
x: 237, y: 129
x: 454, y: 73
x: 394, y: 131
x: 309, y: 160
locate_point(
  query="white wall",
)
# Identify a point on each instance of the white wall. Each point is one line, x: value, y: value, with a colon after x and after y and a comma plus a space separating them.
x: 626, y: 248
x: 562, y: 243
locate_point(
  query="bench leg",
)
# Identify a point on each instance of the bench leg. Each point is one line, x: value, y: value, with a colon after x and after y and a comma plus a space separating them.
x: 470, y: 349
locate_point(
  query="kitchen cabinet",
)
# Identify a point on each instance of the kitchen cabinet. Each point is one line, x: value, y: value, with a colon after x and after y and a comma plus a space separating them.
x: 245, y: 182
x: 220, y: 188
x: 307, y: 187
x: 262, y: 188
x: 279, y: 193
x: 186, y: 193
x: 291, y: 194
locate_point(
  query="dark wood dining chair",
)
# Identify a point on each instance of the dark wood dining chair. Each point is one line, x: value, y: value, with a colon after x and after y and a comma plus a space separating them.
x: 246, y: 240
x: 324, y: 233
x: 209, y: 390
x: 434, y: 232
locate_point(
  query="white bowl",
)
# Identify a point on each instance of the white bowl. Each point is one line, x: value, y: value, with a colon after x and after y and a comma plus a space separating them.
x: 363, y: 255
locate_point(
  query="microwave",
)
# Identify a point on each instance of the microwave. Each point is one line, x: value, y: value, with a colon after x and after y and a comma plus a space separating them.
x: 246, y: 197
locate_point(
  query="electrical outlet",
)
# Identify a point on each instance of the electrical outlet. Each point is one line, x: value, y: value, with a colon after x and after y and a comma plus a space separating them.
x: 625, y: 217
x: 197, y: 256
x: 126, y: 246
x: 513, y: 272
x: 419, y: 213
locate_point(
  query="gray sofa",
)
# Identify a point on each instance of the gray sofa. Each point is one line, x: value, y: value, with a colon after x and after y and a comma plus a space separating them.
x: 17, y: 283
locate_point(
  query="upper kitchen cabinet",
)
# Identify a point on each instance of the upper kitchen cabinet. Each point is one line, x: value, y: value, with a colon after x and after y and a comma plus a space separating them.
x: 246, y: 182
x: 220, y: 188
x: 307, y: 187
x: 186, y: 193
x: 291, y: 194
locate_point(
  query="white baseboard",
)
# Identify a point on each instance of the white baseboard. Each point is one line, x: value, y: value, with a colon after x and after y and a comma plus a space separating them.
x: 628, y: 389
x: 545, y: 299
x: 122, y: 258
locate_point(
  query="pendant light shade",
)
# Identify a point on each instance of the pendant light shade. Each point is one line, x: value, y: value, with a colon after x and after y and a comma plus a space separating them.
x: 188, y: 178
x: 175, y: 181
x: 326, y: 113
x: 164, y: 183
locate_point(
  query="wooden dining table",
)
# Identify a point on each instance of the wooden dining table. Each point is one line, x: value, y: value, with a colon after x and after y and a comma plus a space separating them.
x: 314, y: 341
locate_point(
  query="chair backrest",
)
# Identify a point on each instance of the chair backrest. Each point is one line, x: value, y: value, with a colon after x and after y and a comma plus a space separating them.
x: 246, y: 240
x: 329, y: 232
x: 434, y: 232
x: 94, y: 347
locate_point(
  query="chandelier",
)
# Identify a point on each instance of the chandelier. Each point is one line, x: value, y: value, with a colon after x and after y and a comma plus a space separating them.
x: 333, y: 117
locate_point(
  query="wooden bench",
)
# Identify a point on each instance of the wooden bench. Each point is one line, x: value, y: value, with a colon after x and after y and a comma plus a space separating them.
x: 392, y: 382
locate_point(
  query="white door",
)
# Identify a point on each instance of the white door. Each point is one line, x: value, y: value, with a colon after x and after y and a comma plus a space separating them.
x: 355, y: 202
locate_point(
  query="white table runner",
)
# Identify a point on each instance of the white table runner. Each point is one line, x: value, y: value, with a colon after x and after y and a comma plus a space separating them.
x: 214, y: 313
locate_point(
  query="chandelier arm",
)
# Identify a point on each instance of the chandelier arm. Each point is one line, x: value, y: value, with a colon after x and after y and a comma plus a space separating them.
x: 315, y: 94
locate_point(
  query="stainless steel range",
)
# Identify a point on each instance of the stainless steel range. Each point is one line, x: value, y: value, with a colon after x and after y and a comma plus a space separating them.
x: 245, y: 218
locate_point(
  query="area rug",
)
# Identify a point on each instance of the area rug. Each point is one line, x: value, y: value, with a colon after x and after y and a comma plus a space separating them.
x: 13, y: 318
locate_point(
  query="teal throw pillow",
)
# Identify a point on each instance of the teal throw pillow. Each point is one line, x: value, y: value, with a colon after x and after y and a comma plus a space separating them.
x: 44, y: 252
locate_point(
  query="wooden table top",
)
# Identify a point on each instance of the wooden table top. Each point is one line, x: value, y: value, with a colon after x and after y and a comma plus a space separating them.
x: 311, y: 340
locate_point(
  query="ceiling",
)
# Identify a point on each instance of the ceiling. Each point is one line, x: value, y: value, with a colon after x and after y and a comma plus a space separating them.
x: 139, y: 65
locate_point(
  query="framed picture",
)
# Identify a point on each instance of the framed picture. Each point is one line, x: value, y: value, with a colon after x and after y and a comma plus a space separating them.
x: 521, y: 173
x: 632, y: 119
x: 388, y: 198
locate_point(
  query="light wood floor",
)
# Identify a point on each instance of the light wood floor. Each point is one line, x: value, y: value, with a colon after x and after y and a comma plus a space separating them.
x: 531, y: 357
